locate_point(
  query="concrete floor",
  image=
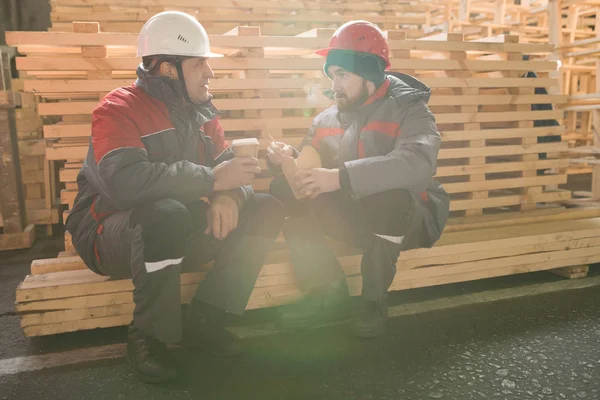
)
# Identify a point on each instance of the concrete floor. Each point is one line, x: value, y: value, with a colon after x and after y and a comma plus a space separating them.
x: 534, y: 347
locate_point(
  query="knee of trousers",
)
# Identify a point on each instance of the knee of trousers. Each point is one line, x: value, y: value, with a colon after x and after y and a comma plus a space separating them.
x: 267, y: 215
x: 388, y: 212
x: 280, y: 189
x: 164, y: 222
x: 301, y: 228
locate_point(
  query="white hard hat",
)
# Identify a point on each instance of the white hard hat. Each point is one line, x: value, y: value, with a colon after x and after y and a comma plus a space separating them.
x: 174, y: 33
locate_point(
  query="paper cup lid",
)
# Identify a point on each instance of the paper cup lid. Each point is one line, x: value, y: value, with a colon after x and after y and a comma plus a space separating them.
x: 244, y: 142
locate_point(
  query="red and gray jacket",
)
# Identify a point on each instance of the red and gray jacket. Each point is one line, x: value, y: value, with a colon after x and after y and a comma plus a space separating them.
x: 390, y: 142
x: 146, y: 145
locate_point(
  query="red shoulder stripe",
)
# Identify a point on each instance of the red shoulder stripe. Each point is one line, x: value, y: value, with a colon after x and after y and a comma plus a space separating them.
x: 324, y: 132
x: 386, y: 128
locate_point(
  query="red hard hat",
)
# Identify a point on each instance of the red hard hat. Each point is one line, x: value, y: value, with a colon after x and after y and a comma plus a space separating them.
x: 359, y: 36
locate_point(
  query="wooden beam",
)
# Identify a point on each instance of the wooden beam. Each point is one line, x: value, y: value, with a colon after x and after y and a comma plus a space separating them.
x: 12, y: 204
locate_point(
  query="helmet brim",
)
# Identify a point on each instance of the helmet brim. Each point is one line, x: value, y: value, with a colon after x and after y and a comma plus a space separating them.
x: 203, y: 55
x: 212, y: 55
x: 324, y: 52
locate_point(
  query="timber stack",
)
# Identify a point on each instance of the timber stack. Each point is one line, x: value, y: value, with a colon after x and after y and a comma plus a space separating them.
x: 581, y: 83
x: 15, y: 232
x: 482, y: 103
x: 274, y: 17
x: 473, y: 18
x: 506, y: 216
x: 36, y: 177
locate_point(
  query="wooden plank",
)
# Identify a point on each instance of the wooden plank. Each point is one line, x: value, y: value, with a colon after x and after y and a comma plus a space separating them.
x: 545, y: 261
x: 76, y: 302
x: 77, y: 326
x: 82, y: 85
x: 573, y: 272
x: 78, y: 283
x: 233, y: 17
x: 33, y: 63
x: 490, y: 151
x: 490, y: 273
x: 39, y: 217
x: 12, y: 205
x: 509, y: 200
x: 53, y: 317
x: 503, y: 219
x: 20, y: 240
x: 67, y: 153
x: 32, y: 148
x: 69, y: 174
x: 86, y: 107
x: 273, y: 41
x: 500, y: 167
x: 45, y: 266
x: 32, y: 177
x: 446, y: 261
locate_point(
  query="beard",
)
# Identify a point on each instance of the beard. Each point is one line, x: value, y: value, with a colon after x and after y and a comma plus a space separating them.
x: 345, y: 103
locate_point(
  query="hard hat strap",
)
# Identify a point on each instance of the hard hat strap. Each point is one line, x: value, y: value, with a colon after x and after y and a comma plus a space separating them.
x: 182, y: 79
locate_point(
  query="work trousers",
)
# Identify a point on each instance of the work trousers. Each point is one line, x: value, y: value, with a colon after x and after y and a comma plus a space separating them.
x: 154, y: 243
x: 375, y: 224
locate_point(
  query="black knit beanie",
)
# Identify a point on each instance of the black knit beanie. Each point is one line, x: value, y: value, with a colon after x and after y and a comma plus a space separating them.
x: 367, y: 66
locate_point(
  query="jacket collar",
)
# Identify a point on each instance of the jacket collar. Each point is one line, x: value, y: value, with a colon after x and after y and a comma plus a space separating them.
x: 361, y: 114
x: 170, y: 92
x: 379, y: 93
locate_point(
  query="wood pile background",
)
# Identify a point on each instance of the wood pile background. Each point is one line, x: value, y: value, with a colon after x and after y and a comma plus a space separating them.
x: 481, y: 100
x: 274, y: 17
x: 15, y: 231
x: 41, y: 205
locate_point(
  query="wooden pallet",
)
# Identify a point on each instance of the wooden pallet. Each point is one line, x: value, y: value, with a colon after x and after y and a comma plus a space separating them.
x: 59, y: 298
x: 37, y: 174
x: 273, y: 17
x: 15, y: 233
x: 481, y: 102
x: 473, y: 18
x: 581, y: 82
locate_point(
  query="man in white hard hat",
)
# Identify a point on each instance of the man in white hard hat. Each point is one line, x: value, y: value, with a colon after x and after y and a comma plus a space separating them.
x: 156, y: 150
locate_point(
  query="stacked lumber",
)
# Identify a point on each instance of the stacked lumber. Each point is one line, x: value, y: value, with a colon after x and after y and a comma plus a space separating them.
x: 482, y: 18
x: 274, y: 17
x: 61, y: 295
x: 534, y: 21
x: 580, y: 83
x: 37, y: 174
x: 473, y: 18
x: 15, y: 233
x: 270, y: 85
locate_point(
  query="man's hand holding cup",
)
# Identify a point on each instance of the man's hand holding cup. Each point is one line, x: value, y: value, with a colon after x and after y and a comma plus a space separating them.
x: 240, y: 170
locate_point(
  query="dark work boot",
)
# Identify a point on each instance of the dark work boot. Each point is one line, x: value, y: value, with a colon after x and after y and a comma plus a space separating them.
x: 149, y: 358
x: 204, y: 329
x: 370, y: 320
x: 323, y: 306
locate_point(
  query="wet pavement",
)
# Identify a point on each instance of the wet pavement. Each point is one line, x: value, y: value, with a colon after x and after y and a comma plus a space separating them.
x: 537, y: 347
